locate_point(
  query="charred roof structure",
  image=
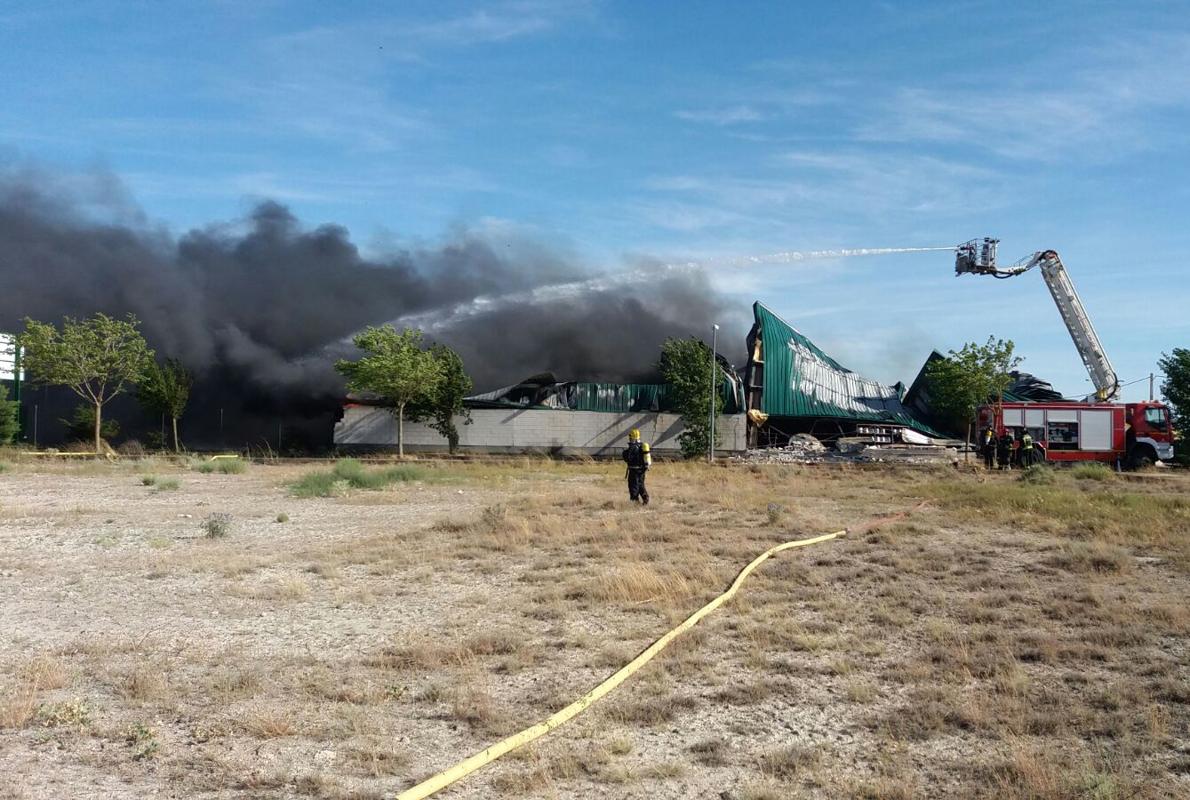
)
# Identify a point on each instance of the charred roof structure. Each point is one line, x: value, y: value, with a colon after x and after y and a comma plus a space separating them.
x: 542, y: 414
x: 546, y: 391
x: 792, y: 386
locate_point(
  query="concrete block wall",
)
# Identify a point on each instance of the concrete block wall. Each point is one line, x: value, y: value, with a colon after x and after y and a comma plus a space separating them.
x: 499, y: 430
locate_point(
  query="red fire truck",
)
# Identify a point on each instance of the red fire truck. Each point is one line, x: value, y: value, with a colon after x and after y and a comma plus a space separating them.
x: 1130, y: 435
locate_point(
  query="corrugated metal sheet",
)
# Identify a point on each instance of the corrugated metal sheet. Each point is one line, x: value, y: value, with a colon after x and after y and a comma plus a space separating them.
x: 576, y: 396
x: 617, y: 397
x: 800, y: 380
x: 541, y: 391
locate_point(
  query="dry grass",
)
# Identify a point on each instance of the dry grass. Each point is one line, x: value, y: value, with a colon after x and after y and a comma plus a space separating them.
x: 1012, y: 639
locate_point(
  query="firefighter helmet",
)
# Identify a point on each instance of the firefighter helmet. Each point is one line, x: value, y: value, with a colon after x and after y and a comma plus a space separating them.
x: 634, y: 435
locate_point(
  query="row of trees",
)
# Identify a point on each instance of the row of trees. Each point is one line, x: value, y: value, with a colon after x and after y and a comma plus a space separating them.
x: 101, y: 358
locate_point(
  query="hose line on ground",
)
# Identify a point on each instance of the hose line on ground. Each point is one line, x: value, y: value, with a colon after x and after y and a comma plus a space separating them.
x: 487, y: 756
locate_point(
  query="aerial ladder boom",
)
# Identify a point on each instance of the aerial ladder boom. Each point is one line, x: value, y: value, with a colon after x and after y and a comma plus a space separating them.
x: 979, y: 258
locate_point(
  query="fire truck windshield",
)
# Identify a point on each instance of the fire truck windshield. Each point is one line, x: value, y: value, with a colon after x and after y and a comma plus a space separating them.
x: 1156, y: 418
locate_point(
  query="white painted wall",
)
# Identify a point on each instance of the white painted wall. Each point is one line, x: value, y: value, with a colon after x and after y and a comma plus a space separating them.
x: 499, y: 430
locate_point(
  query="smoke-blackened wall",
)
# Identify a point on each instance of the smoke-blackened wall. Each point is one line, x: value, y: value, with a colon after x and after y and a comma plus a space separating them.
x: 260, y: 308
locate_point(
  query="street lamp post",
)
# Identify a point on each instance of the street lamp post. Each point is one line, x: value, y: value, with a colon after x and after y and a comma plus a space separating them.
x: 714, y: 370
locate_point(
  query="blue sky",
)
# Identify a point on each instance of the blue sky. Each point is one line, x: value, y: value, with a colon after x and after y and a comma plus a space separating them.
x: 614, y: 131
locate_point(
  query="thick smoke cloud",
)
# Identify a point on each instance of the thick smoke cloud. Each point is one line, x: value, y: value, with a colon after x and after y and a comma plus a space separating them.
x: 261, y: 307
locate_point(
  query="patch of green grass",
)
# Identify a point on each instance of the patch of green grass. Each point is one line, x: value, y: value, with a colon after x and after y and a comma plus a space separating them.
x: 350, y: 474
x: 166, y: 484
x: 148, y: 480
x: 68, y: 713
x: 224, y: 466
x: 282, y: 517
x: 1037, y: 474
x: 1092, y: 471
x: 142, y: 739
x: 1128, y: 518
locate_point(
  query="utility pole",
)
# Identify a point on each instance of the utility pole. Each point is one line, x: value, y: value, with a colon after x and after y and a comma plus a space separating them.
x: 714, y: 388
x: 1151, y: 377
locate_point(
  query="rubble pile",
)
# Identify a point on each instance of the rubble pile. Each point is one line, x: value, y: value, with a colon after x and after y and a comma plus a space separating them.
x: 806, y: 449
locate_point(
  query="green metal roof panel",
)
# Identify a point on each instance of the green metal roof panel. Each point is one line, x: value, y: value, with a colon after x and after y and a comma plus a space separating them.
x: 801, y: 380
x: 543, y: 391
x: 617, y: 397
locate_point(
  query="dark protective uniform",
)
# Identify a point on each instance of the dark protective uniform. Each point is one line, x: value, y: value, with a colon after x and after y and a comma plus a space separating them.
x: 636, y: 456
x: 989, y: 448
x: 1004, y: 450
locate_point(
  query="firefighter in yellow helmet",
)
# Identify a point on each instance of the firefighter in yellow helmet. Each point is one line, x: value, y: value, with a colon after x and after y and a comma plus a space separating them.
x: 638, y: 459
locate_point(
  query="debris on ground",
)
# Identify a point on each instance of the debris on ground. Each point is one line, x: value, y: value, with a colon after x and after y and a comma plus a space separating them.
x: 804, y: 448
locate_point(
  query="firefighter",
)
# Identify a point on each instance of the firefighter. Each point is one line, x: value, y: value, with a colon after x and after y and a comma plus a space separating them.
x: 638, y: 459
x: 1026, y: 449
x: 988, y: 447
x: 1004, y: 449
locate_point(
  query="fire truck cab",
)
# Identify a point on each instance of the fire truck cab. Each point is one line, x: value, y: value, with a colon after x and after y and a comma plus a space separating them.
x: 1126, y: 435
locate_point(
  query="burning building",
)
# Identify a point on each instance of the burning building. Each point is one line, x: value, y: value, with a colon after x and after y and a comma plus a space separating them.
x: 544, y: 415
x: 792, y: 386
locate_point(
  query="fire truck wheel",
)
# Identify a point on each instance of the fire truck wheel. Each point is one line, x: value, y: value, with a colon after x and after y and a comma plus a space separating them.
x: 1142, y: 456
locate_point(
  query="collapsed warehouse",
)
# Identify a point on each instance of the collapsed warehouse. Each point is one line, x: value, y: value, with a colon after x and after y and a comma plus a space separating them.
x: 790, y: 390
x: 793, y: 387
x: 544, y: 415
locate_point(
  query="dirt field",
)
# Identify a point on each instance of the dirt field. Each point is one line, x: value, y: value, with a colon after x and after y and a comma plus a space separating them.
x: 1008, y: 639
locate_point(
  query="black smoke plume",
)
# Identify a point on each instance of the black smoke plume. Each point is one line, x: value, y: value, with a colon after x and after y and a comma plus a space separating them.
x: 260, y: 308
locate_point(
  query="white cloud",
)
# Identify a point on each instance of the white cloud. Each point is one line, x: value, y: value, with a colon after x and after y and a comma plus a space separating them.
x: 1097, y: 111
x: 731, y: 115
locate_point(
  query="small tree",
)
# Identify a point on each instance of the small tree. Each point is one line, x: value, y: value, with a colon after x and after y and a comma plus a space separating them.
x: 1176, y: 390
x: 165, y: 389
x: 9, y: 417
x: 445, y: 401
x: 98, y: 358
x: 686, y: 367
x: 965, y: 379
x: 396, y: 368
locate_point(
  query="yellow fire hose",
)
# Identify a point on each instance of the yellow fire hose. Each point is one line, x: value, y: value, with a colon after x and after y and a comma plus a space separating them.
x: 480, y: 759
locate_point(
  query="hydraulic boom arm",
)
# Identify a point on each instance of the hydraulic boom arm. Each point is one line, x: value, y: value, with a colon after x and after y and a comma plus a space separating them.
x: 980, y: 259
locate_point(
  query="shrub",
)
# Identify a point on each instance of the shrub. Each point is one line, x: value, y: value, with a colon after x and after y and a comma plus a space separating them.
x: 282, y: 517
x: 81, y: 424
x: 148, y: 480
x: 142, y: 739
x: 775, y: 512
x: 217, y: 525
x: 132, y: 449
x: 224, y: 466
x: 9, y: 417
x: 167, y: 484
